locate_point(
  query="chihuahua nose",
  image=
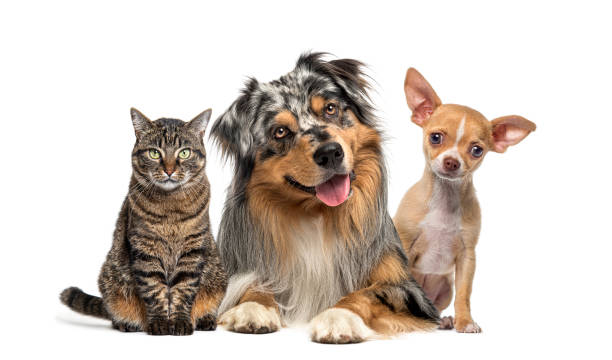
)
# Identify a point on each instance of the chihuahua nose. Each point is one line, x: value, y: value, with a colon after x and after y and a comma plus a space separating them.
x: 329, y: 156
x: 451, y: 164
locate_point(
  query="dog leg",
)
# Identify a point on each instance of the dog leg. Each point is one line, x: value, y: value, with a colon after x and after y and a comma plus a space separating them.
x: 393, y: 303
x: 256, y: 313
x: 464, y: 275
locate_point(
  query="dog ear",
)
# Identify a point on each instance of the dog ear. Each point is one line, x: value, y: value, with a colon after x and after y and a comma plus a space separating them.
x: 349, y: 74
x: 420, y: 96
x: 199, y: 123
x: 509, y: 130
x: 232, y: 129
x: 141, y: 123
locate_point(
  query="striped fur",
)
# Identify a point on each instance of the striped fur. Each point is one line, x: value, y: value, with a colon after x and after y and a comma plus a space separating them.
x: 163, y: 273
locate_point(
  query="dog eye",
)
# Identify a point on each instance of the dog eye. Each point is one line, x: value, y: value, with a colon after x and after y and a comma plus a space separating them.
x: 435, y: 138
x: 476, y: 151
x: 331, y: 109
x: 281, y: 132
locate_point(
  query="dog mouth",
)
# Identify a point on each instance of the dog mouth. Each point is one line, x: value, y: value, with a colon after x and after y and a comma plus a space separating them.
x: 332, y: 192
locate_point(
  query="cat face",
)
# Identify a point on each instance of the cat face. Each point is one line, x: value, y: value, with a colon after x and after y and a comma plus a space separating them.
x: 168, y: 153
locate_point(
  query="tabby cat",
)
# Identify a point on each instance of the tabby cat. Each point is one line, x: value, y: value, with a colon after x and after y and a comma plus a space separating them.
x: 163, y: 274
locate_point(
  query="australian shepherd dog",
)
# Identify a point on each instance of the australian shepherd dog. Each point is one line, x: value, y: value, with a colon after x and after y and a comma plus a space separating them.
x: 305, y: 233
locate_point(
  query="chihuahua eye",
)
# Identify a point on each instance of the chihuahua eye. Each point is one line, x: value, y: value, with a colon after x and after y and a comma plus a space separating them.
x: 476, y: 151
x: 281, y: 132
x: 331, y: 109
x: 435, y: 138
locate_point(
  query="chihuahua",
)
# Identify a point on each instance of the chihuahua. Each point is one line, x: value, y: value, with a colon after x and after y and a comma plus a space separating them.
x: 438, y: 219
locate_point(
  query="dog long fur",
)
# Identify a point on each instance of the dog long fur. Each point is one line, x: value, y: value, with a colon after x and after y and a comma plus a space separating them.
x: 308, y: 256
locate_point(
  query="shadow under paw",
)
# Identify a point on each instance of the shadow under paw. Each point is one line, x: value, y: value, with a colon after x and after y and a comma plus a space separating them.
x: 206, y: 323
x: 125, y: 327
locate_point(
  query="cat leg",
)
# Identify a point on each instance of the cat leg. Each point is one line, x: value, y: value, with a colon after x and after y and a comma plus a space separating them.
x: 204, y: 310
x: 128, y: 312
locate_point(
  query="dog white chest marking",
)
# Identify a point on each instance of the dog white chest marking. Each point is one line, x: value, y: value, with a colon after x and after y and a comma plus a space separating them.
x: 441, y: 228
x: 312, y: 284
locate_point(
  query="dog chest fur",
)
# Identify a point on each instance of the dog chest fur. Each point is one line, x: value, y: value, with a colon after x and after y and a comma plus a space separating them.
x: 441, y: 228
x: 312, y: 280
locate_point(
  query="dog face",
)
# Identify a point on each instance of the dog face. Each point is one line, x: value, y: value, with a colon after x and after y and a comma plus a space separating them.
x: 298, y: 138
x: 456, y: 138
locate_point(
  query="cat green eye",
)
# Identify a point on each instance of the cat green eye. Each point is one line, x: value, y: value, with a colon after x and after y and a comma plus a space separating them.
x: 154, y: 154
x: 184, y: 154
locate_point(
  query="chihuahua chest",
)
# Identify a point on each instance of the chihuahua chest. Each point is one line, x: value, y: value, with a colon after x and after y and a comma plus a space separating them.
x: 440, y: 231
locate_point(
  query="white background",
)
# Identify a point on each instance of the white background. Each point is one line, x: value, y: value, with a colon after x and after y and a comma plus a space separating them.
x: 70, y: 71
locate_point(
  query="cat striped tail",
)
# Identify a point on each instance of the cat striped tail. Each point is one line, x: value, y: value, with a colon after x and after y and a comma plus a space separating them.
x: 83, y: 303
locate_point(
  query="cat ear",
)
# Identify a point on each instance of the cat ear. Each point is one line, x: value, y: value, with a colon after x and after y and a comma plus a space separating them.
x: 141, y: 122
x: 232, y: 129
x: 199, y: 123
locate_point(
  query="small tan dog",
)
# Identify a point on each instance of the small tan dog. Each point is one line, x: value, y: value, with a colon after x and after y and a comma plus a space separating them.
x: 438, y: 219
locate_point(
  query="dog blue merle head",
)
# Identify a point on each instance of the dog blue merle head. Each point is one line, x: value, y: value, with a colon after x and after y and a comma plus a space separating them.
x: 301, y: 136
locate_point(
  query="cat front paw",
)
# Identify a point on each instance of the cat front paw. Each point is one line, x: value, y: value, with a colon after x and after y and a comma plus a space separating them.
x: 158, y: 326
x: 206, y: 323
x: 180, y: 326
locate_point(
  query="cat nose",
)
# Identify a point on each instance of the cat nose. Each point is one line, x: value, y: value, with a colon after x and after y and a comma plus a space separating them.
x: 169, y: 170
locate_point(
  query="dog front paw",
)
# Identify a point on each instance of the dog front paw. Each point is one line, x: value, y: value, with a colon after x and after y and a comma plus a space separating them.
x: 467, y: 326
x: 446, y: 323
x: 180, y: 326
x: 158, y: 326
x: 251, y: 318
x: 339, y: 326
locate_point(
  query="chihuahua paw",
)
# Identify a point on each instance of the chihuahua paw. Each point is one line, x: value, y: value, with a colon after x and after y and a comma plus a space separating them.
x: 446, y: 323
x: 339, y: 326
x: 251, y: 318
x: 467, y: 326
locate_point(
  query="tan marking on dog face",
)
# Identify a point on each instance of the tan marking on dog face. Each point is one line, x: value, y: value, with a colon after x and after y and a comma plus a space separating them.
x: 461, y: 128
x: 317, y: 103
x: 286, y: 118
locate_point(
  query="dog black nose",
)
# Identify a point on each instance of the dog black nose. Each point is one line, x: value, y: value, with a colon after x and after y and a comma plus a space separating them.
x: 329, y: 155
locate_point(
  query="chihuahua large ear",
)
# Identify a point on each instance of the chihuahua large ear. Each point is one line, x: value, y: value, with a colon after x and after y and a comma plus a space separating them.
x: 232, y: 129
x: 510, y: 130
x: 141, y: 123
x: 199, y: 123
x: 420, y: 96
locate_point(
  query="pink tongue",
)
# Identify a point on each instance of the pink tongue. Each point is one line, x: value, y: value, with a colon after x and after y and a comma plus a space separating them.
x: 334, y: 191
